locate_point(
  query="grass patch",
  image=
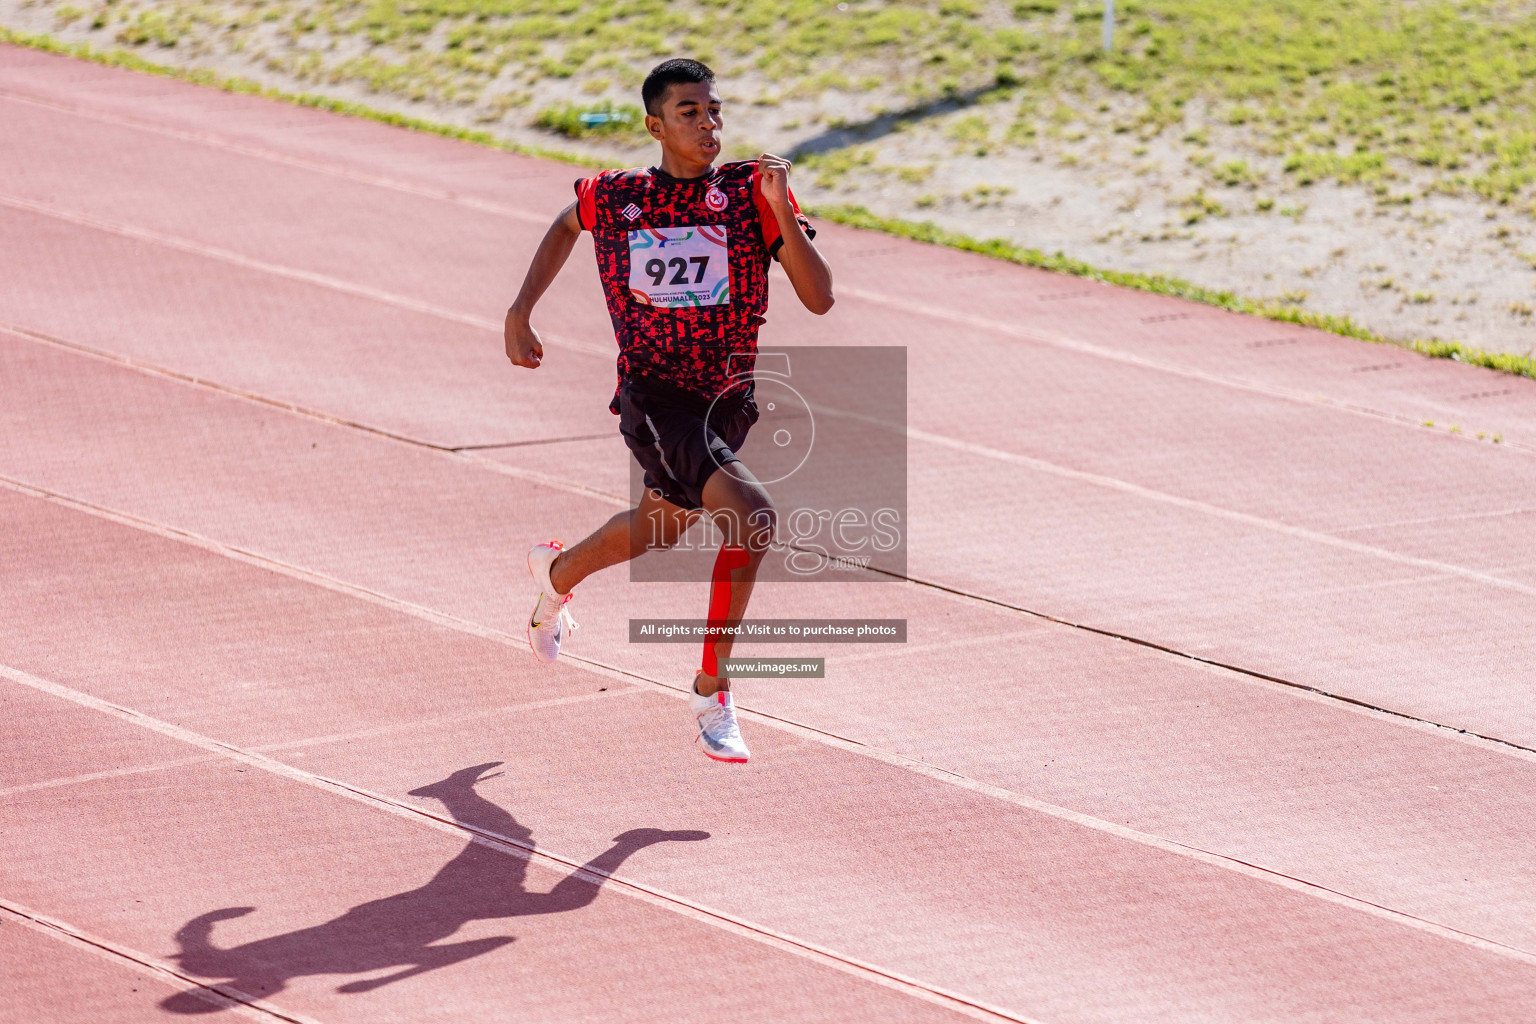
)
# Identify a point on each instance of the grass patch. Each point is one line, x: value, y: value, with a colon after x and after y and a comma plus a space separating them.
x: 986, y: 195
x: 918, y: 175
x: 1505, y: 362
x: 832, y: 166
x: 593, y: 120
x: 1199, y: 206
x: 1236, y: 172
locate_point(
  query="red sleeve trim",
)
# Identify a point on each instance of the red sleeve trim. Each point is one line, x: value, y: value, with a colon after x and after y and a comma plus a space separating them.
x: 767, y: 222
x: 586, y: 202
x: 772, y: 237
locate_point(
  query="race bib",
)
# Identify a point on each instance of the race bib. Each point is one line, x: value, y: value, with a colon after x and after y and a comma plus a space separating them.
x: 671, y: 268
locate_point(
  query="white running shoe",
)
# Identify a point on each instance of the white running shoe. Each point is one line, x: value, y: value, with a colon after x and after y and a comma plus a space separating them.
x: 550, y: 622
x: 718, y: 733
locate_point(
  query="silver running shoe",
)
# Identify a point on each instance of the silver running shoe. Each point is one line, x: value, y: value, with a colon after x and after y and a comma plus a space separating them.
x: 551, y: 621
x: 718, y: 733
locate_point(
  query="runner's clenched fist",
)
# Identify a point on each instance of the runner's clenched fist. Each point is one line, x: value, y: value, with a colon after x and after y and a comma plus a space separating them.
x: 775, y: 172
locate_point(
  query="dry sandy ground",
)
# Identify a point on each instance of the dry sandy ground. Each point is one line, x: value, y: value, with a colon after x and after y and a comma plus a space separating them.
x: 1433, y: 267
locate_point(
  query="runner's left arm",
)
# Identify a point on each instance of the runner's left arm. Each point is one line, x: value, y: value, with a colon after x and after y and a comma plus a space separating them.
x: 808, y: 270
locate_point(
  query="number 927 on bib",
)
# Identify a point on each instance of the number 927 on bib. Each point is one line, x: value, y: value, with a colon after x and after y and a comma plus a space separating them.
x: 673, y: 268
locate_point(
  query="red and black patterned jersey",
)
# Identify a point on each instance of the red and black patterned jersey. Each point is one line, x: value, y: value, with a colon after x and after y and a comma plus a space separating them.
x: 684, y: 266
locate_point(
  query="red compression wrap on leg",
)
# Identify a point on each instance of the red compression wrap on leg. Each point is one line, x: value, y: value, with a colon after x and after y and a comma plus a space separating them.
x: 730, y: 557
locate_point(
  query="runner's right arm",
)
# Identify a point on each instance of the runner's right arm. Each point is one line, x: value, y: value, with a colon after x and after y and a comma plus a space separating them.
x: 523, y: 345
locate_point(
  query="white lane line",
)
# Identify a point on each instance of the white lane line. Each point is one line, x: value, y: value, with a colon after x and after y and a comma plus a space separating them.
x: 1242, y: 867
x: 556, y: 483
x: 1190, y: 504
x: 1427, y: 520
x: 219, y: 996
x: 288, y: 160
x: 528, y: 851
x: 114, y: 773
x: 1216, y: 511
x: 1053, y: 339
x: 1372, y: 588
x: 272, y: 565
x: 315, y: 741
x: 1049, y: 338
x: 309, y: 277
x: 906, y: 650
x: 430, y: 723
x: 471, y: 455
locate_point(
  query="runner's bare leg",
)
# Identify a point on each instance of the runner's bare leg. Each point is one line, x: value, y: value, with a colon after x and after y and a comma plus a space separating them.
x: 655, y: 523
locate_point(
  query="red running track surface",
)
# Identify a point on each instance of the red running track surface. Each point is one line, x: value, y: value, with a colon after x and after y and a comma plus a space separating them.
x: 1215, y: 703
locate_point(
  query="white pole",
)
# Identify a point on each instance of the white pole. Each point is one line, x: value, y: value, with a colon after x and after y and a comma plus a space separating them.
x: 1109, y: 25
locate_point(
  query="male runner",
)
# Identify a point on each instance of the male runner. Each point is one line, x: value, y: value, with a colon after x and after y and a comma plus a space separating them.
x: 683, y: 250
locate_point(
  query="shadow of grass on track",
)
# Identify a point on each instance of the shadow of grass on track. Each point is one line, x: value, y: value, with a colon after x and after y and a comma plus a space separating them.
x: 854, y: 216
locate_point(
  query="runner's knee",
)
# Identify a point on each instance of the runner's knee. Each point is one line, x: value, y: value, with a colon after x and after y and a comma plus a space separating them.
x: 751, y: 526
x: 762, y: 525
x: 657, y: 524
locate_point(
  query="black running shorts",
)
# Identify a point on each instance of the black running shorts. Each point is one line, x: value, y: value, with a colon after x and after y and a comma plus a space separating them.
x: 664, y: 428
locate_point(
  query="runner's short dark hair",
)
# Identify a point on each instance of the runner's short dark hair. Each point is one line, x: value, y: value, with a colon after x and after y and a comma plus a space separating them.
x: 678, y: 70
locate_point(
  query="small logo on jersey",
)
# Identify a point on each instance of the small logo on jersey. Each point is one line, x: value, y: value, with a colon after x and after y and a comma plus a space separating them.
x: 631, y: 211
x: 715, y: 199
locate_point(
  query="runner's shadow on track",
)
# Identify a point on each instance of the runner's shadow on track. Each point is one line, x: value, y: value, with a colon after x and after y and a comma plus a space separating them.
x: 481, y: 883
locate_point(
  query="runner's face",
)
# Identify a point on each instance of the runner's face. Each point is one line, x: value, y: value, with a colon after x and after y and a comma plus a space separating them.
x: 689, y: 125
